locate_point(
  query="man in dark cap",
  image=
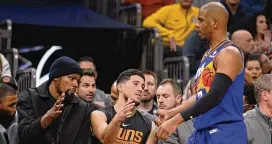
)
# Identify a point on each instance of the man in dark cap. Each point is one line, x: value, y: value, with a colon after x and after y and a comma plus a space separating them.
x: 8, y: 115
x: 49, y: 114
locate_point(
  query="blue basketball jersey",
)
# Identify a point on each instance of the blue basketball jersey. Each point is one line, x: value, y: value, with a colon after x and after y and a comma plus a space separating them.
x: 231, y: 107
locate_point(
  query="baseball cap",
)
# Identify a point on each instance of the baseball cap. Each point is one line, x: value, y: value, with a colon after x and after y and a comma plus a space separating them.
x: 9, y: 81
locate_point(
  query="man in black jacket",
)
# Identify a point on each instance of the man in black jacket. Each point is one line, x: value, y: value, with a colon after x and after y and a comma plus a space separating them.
x: 48, y: 115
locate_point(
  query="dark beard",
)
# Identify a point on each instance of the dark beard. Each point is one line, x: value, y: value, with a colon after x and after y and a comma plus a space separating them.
x: 6, y: 119
x: 146, y: 100
x: 58, y: 87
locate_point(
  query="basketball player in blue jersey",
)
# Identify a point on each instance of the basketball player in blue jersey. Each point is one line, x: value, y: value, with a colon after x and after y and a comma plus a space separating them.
x: 218, y: 105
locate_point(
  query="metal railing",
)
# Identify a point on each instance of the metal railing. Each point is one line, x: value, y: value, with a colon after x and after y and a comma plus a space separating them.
x: 131, y: 14
x: 177, y: 68
x: 152, y: 51
x: 26, y: 79
x: 5, y: 34
x: 106, y: 7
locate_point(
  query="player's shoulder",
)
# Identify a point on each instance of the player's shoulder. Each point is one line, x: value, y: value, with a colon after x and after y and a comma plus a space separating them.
x: 231, y: 49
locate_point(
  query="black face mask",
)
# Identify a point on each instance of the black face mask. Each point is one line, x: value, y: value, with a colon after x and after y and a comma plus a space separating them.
x: 5, y: 118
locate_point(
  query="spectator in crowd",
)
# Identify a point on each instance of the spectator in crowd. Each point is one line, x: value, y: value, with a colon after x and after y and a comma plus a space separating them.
x: 258, y: 25
x: 199, y: 3
x: 8, y: 115
x: 114, y: 93
x: 147, y: 103
x: 169, y: 96
x: 87, y: 87
x: 249, y: 100
x: 236, y: 13
x: 100, y: 98
x: 87, y: 62
x: 244, y: 40
x: 253, y: 68
x: 149, y: 6
x: 51, y: 113
x: 258, y: 120
x: 174, y: 23
x: 123, y: 123
x: 4, y: 67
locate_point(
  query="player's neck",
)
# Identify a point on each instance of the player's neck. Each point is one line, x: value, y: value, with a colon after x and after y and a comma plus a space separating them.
x: 217, y: 40
x: 146, y: 106
x: 265, y: 110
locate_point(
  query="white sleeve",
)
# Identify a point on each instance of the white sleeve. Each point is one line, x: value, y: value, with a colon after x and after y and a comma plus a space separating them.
x: 5, y: 66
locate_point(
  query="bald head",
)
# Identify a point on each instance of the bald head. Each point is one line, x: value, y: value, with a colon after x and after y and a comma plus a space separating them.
x: 114, y: 94
x: 215, y: 10
x: 244, y: 40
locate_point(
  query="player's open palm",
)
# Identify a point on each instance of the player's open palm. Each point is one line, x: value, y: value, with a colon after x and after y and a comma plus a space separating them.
x: 56, y: 110
x: 126, y: 111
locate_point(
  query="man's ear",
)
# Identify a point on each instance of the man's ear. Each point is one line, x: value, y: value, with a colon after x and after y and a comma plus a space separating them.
x: 120, y: 87
x: 178, y: 99
x: 95, y: 75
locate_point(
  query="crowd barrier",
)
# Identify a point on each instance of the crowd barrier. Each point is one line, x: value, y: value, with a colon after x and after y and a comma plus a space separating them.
x: 152, y: 51
x: 177, y: 68
x: 26, y: 79
x: 106, y: 7
x: 127, y: 13
x: 131, y: 14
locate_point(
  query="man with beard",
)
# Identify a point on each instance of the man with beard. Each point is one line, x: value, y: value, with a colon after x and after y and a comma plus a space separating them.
x: 100, y: 98
x: 147, y: 102
x: 169, y: 96
x: 217, y: 106
x: 51, y: 113
x: 87, y: 88
x: 8, y: 115
x: 123, y: 123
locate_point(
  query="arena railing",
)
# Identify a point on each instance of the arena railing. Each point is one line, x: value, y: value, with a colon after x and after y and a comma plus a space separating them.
x: 106, y: 7
x: 152, y: 51
x: 26, y: 79
x: 5, y: 34
x: 131, y: 14
x: 177, y: 68
x: 5, y: 45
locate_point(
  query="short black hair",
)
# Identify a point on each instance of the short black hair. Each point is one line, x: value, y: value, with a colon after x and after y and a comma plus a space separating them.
x: 6, y: 90
x: 252, y: 57
x: 125, y: 75
x: 86, y: 58
x: 89, y: 72
x: 249, y: 93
